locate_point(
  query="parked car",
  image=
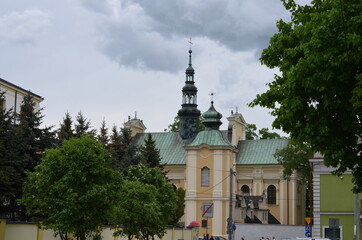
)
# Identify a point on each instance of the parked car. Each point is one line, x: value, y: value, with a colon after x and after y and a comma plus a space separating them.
x: 219, y: 238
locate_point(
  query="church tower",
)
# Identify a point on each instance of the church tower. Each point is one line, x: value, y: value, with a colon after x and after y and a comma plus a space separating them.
x: 209, y: 158
x: 189, y: 114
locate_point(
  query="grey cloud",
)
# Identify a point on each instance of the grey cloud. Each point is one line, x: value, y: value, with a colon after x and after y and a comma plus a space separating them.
x: 138, y: 33
x: 23, y: 27
x: 240, y: 25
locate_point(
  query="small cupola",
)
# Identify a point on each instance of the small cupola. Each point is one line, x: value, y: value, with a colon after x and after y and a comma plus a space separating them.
x: 212, y: 118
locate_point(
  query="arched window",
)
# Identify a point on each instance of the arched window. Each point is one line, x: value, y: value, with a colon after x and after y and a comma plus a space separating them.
x: 272, y: 194
x: 245, y: 189
x: 205, y: 177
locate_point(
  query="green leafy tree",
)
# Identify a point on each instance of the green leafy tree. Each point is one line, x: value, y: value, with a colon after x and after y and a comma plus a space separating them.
x: 137, y: 210
x: 83, y: 126
x: 73, y: 188
x: 165, y: 194
x: 180, y: 209
x: 250, y: 132
x: 317, y: 96
x: 175, y: 126
x: 150, y: 154
x: 295, y: 158
x: 65, y: 130
x: 265, y: 134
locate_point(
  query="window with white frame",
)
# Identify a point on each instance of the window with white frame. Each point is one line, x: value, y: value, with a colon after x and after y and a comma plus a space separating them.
x: 330, y: 232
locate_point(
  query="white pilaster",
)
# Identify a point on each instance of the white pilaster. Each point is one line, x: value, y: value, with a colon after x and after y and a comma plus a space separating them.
x: 190, y: 186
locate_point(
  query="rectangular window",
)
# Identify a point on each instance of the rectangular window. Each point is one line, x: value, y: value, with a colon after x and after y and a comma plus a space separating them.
x: 272, y: 194
x: 330, y: 232
x: 205, y: 177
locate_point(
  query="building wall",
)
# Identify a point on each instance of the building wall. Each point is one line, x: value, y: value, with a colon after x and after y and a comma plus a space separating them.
x: 218, y: 161
x: 332, y: 198
x: 14, y: 96
x: 345, y: 222
x: 340, y: 190
x: 290, y: 195
x: 257, y: 231
x: 31, y: 231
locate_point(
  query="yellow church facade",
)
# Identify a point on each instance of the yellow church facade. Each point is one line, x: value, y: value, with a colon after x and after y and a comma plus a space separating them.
x: 226, y: 177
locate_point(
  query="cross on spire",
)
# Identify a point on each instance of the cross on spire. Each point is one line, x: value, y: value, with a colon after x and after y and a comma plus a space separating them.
x: 212, y: 93
x: 190, y: 42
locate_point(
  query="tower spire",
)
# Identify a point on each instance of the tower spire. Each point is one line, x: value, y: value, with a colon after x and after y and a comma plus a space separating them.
x: 189, y: 114
x: 190, y: 51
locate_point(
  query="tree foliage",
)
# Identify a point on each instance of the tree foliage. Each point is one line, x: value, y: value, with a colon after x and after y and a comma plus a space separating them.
x: 25, y: 146
x: 65, y: 130
x: 83, y: 126
x: 180, y: 209
x: 73, y: 189
x: 8, y: 167
x: 137, y: 210
x: 317, y: 96
x: 165, y: 194
x: 251, y: 133
x: 295, y: 158
x: 125, y: 152
x: 103, y: 134
x: 150, y: 153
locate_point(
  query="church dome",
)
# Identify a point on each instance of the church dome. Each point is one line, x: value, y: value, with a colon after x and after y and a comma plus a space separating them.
x: 212, y: 118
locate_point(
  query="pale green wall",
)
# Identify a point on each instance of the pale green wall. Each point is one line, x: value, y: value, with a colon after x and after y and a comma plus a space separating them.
x: 346, y: 221
x: 337, y: 196
x: 336, y: 193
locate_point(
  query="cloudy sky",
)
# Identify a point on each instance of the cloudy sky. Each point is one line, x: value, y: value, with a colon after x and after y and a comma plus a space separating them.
x: 112, y: 58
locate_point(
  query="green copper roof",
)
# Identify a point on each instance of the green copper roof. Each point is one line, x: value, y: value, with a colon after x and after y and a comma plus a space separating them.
x: 212, y: 118
x: 210, y: 137
x: 172, y: 150
x: 259, y: 151
x: 170, y: 145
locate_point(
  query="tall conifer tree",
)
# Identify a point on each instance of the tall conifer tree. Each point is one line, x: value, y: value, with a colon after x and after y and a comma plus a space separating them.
x: 131, y: 151
x: 103, y: 134
x: 115, y: 149
x: 83, y: 126
x: 66, y: 131
x: 150, y: 154
x: 31, y: 141
x: 8, y: 175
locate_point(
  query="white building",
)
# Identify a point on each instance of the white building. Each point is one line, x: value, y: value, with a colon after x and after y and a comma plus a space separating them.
x: 14, y: 96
